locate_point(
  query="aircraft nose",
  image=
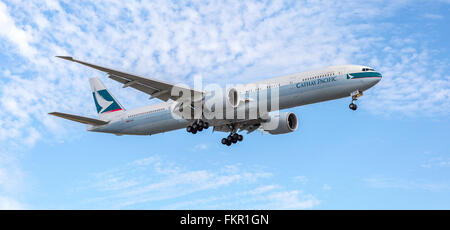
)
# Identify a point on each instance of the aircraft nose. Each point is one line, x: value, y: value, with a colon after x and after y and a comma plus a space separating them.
x: 378, y: 77
x: 373, y: 79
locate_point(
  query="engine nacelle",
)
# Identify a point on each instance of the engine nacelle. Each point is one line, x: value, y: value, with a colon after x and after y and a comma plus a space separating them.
x: 281, y: 123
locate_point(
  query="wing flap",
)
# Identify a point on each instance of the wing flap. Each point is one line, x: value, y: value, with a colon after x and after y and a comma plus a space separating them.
x: 248, y: 125
x: 84, y: 120
x: 139, y: 85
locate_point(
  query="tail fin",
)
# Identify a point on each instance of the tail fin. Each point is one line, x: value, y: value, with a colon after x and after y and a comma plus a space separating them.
x: 105, y: 102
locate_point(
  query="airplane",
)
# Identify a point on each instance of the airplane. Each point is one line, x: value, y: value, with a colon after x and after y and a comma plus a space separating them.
x: 217, y: 109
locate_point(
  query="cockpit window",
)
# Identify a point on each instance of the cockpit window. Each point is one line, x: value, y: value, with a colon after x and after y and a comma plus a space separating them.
x: 367, y: 69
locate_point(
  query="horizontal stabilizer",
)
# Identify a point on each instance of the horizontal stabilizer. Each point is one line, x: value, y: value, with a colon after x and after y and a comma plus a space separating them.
x: 84, y: 120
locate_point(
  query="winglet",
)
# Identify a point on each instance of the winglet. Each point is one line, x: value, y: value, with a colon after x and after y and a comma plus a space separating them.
x: 65, y: 57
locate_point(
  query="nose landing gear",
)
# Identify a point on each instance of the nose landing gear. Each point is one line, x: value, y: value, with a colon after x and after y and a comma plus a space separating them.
x: 199, y: 126
x: 355, y: 95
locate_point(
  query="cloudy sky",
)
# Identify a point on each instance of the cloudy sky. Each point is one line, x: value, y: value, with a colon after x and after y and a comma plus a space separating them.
x: 393, y: 153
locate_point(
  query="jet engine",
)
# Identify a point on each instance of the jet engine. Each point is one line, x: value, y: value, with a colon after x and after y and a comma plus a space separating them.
x: 280, y: 123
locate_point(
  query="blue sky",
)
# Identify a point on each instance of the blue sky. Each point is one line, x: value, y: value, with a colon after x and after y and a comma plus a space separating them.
x: 393, y: 153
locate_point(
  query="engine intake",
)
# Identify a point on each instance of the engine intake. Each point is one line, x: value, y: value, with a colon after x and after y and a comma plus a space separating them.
x: 233, y: 97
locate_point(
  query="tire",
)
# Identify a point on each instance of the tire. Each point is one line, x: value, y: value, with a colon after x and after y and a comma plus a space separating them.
x: 200, y: 128
x: 206, y: 125
x: 224, y: 141
x: 240, y: 138
x: 189, y: 129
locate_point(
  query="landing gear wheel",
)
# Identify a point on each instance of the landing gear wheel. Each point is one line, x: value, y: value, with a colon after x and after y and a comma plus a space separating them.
x: 353, y: 106
x: 195, y: 126
x: 233, y: 138
x: 194, y: 131
x: 224, y: 141
x: 200, y: 128
x: 206, y: 125
x: 200, y: 123
x: 189, y: 129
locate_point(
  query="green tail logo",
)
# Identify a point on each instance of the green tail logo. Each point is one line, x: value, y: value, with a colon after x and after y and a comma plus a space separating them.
x: 104, y: 102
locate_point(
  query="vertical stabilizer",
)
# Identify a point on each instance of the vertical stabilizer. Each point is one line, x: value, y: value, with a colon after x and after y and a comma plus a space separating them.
x: 107, y: 106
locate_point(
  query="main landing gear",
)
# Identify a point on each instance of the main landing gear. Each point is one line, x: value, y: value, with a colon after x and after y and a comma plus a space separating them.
x: 198, y: 126
x: 355, y: 96
x: 233, y: 138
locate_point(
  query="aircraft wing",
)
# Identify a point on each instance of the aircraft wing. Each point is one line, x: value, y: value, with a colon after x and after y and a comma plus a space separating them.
x: 84, y: 120
x: 155, y: 88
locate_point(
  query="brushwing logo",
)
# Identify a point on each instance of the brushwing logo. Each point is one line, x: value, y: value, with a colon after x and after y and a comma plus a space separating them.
x: 105, y: 102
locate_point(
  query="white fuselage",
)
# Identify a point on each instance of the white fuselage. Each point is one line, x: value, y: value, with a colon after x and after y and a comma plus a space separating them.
x: 294, y: 90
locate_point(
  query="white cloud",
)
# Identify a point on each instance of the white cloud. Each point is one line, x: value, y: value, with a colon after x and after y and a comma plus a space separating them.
x: 131, y: 187
x: 301, y: 179
x: 263, y: 197
x: 413, y: 84
x: 433, y: 16
x: 10, y: 174
x: 10, y: 204
x: 262, y: 189
x: 223, y: 42
x: 18, y: 36
x: 383, y: 182
x: 438, y: 161
x: 152, y: 180
x: 11, y: 182
x: 290, y: 200
x: 200, y: 147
